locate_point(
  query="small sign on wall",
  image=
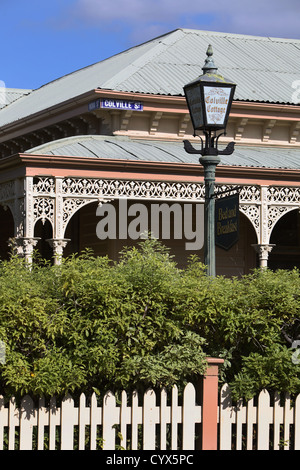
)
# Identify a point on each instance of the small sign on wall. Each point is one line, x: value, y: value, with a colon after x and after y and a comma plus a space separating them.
x: 227, y: 221
x: 122, y: 105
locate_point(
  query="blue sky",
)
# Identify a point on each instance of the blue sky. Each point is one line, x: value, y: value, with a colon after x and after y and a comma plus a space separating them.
x: 42, y: 40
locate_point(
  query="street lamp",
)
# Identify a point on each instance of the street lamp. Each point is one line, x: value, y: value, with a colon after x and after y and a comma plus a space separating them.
x: 209, y: 100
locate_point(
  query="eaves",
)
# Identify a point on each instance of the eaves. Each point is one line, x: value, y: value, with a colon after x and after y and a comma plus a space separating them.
x: 20, y: 165
x: 164, y: 103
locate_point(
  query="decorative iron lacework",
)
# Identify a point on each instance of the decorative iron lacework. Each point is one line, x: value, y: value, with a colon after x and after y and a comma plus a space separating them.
x: 72, y: 193
x: 71, y: 205
x: 94, y: 187
x: 284, y: 195
x: 149, y: 189
x: 275, y: 213
x: 78, y: 192
x: 43, y: 185
x: 280, y: 200
x: 252, y: 212
x: 248, y: 194
x: 43, y: 209
x: 132, y: 189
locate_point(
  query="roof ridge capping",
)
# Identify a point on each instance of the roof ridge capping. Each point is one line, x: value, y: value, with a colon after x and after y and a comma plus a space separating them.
x: 16, y: 90
x: 200, y: 32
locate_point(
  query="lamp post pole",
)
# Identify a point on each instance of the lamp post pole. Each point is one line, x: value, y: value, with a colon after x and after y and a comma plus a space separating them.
x: 209, y: 100
x: 209, y: 163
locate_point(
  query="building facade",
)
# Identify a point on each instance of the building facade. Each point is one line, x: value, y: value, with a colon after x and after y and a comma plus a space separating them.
x: 114, y: 132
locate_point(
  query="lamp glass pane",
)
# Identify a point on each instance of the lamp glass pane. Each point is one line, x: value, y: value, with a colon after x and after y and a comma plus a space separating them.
x: 216, y: 103
x: 193, y: 97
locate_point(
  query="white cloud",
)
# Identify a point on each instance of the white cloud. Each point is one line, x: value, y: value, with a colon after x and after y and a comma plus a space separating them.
x: 129, y: 10
x: 268, y: 17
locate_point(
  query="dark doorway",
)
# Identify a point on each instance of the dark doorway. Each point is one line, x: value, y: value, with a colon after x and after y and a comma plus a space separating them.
x: 286, y: 237
x: 6, y: 231
x: 44, y: 232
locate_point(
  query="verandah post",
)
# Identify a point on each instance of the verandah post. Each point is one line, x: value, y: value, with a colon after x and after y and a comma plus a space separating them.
x: 210, y: 405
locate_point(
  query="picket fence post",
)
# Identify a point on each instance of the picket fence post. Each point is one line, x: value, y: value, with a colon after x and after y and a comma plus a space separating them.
x: 111, y: 416
x: 95, y: 420
x: 136, y: 418
x: 3, y: 420
x: 210, y: 405
x: 297, y: 420
x: 54, y: 420
x: 68, y: 421
x: 264, y: 419
x: 42, y: 421
x: 124, y: 419
x: 175, y: 417
x: 150, y: 418
x: 164, y: 419
x: 227, y: 418
x: 84, y: 420
x: 191, y: 414
x: 13, y: 421
x: 28, y: 419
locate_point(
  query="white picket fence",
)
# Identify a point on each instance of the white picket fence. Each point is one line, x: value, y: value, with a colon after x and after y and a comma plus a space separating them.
x: 267, y: 422
x: 138, y: 422
x: 100, y: 422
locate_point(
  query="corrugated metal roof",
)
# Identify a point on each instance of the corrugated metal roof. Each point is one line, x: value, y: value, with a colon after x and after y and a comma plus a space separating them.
x: 124, y: 148
x: 263, y: 68
x: 9, y: 95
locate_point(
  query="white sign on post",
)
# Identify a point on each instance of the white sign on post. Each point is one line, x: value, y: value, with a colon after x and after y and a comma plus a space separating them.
x: 216, y: 103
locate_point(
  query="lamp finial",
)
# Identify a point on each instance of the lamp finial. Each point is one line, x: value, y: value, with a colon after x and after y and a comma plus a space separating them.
x: 209, y: 65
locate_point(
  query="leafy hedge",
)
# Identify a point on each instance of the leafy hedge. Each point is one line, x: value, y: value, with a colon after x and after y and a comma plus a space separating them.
x: 91, y: 324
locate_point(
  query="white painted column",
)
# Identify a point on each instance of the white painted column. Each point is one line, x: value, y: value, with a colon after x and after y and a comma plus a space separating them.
x: 28, y: 207
x: 263, y: 254
x: 58, y: 230
x: 263, y: 247
x: 19, y: 208
x: 264, y: 238
x: 58, y: 245
x: 58, y: 242
x: 25, y: 239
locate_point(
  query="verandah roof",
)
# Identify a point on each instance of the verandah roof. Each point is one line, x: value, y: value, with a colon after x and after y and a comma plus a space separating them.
x: 124, y: 148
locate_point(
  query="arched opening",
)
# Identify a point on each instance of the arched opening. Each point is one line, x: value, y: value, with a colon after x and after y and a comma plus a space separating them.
x: 240, y: 259
x: 81, y: 230
x: 6, y: 231
x: 175, y: 224
x: 43, y: 230
x: 286, y: 238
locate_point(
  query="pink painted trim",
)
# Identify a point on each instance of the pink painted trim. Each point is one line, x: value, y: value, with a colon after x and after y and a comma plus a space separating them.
x: 210, y: 405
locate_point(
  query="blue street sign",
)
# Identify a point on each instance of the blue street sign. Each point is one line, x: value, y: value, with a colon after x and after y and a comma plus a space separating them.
x: 94, y: 105
x: 122, y: 105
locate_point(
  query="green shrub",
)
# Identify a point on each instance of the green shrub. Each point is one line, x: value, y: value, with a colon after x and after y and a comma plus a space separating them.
x: 91, y: 324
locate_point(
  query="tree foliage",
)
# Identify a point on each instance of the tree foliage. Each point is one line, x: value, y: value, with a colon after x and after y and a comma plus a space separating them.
x: 91, y: 324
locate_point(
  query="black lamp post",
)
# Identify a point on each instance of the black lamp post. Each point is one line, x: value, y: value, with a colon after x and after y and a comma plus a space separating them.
x: 209, y: 100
